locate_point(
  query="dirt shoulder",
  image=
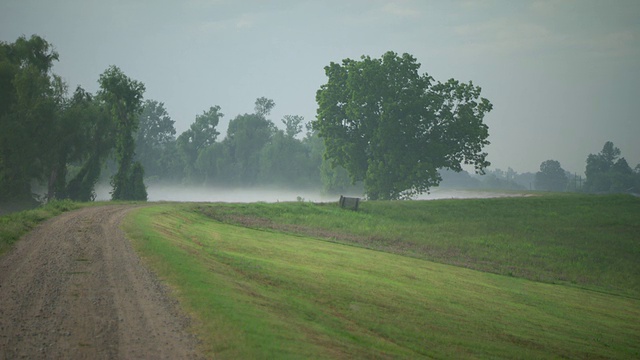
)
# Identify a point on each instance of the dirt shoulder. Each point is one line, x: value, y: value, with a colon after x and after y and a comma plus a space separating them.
x: 74, y: 288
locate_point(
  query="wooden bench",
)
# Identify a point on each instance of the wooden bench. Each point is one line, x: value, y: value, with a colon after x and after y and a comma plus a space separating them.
x: 349, y: 202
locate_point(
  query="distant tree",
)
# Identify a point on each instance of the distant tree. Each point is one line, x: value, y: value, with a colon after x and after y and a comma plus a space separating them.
x: 123, y: 97
x: 208, y: 164
x: 293, y: 124
x: 171, y: 163
x: 499, y: 180
x: 246, y: 136
x: 336, y: 180
x: 622, y: 177
x: 636, y: 172
x: 458, y: 180
x: 315, y: 148
x: 393, y: 128
x: 200, y: 135
x: 263, y: 106
x: 607, y: 172
x: 551, y: 177
x: 283, y: 161
x: 155, y: 131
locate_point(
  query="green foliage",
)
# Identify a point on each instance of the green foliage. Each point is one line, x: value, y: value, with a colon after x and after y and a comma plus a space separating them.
x: 193, y: 142
x: 336, y: 180
x: 254, y: 152
x: 123, y: 98
x: 30, y: 97
x: 393, y: 128
x: 263, y: 106
x: 266, y: 294
x: 154, y: 135
x: 93, y: 140
x: 293, y: 125
x: 138, y: 190
x: 551, y: 177
x: 246, y: 136
x: 608, y: 173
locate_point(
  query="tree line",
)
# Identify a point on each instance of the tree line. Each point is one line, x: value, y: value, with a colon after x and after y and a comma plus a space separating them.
x: 382, y: 129
x: 253, y: 152
x: 44, y: 130
x: 67, y: 141
x: 605, y: 172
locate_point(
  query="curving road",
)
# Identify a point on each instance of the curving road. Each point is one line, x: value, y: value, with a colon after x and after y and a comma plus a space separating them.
x: 74, y: 288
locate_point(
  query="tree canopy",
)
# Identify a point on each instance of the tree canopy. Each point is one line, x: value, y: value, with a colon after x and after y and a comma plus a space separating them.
x: 393, y: 128
x: 123, y: 98
x: 551, y: 177
x: 608, y: 172
x: 155, y: 132
x: 30, y: 104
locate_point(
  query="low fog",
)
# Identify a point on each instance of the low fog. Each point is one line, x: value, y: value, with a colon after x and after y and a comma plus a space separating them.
x: 270, y: 195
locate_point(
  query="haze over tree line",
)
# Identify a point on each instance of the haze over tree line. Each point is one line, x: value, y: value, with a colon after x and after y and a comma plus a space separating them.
x: 382, y: 129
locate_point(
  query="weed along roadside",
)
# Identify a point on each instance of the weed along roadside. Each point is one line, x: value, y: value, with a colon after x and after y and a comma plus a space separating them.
x: 296, y: 290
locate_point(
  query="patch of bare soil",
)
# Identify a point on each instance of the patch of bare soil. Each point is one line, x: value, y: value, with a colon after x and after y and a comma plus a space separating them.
x: 74, y: 288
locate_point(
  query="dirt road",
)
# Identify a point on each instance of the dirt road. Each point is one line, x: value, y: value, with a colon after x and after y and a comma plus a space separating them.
x: 74, y: 288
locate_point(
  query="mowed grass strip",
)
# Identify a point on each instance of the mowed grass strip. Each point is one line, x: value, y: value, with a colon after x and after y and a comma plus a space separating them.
x: 589, y: 241
x: 264, y: 294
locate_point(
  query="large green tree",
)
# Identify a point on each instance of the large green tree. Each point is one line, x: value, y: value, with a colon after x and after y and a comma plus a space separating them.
x: 393, y: 128
x: 123, y: 98
x: 94, y: 139
x: 30, y: 99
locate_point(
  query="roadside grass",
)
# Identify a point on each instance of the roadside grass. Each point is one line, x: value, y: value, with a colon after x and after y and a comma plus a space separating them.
x: 266, y: 294
x: 15, y: 225
x: 589, y: 241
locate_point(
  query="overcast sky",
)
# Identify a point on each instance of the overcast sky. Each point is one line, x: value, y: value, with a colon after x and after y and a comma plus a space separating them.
x: 563, y: 75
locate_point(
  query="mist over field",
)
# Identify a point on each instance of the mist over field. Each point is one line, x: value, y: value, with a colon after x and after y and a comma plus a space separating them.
x: 183, y: 193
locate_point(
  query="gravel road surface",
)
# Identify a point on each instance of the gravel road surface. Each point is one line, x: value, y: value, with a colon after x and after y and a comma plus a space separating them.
x: 74, y: 288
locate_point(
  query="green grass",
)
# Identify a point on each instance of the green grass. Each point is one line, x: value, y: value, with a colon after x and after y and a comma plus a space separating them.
x: 268, y: 294
x: 583, y: 240
x: 15, y: 225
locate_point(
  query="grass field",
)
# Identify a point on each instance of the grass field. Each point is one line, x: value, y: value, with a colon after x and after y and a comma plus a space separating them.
x: 315, y: 281
x: 583, y: 240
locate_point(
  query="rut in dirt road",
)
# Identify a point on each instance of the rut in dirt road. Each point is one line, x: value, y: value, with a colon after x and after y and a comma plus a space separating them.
x: 74, y: 288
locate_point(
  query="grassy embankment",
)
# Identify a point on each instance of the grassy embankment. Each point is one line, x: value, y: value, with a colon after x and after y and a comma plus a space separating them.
x: 263, y: 293
x: 587, y: 241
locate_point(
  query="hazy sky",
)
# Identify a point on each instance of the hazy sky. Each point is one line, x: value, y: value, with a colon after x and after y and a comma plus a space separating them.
x: 563, y: 75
